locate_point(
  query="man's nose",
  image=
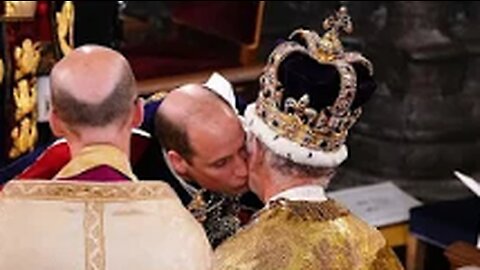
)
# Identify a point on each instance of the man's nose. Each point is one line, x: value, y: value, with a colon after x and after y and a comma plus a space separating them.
x: 241, y: 169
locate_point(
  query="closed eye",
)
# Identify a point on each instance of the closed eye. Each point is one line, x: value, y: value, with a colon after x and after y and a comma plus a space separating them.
x: 242, y: 152
x: 220, y: 163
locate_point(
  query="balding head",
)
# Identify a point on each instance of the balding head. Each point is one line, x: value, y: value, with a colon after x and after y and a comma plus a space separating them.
x: 92, y: 86
x: 203, y: 139
x: 187, y: 106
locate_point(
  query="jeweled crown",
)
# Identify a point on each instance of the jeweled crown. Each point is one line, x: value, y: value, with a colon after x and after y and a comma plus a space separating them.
x: 324, y: 129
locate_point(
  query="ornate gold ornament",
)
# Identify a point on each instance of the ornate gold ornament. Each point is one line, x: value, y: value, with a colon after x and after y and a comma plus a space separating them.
x: 65, y: 20
x: 24, y: 137
x: 217, y: 213
x: 198, y: 206
x: 20, y: 9
x: 27, y: 58
x: 25, y: 97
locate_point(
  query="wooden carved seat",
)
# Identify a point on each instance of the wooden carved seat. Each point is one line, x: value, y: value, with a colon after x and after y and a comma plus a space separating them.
x: 205, y: 36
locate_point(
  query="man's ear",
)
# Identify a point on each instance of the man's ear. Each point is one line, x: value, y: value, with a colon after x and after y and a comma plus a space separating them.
x: 178, y: 163
x: 56, y: 124
x: 256, y: 153
x: 138, y: 113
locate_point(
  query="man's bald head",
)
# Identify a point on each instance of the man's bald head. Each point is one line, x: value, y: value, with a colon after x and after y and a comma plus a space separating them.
x: 187, y: 106
x: 92, y: 86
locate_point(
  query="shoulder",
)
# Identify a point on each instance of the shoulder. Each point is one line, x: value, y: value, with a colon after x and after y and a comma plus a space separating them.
x: 178, y: 230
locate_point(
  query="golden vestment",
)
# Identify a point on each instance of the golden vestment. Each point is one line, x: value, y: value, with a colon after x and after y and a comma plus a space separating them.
x: 306, y: 235
x: 59, y: 225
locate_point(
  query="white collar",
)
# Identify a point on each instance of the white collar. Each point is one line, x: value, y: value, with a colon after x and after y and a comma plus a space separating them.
x: 191, y: 190
x: 302, y: 193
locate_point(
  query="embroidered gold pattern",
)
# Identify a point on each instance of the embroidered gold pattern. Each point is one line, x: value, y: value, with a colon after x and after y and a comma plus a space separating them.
x: 94, y: 196
x: 94, y: 236
x: 308, y: 236
x: 81, y: 191
x: 306, y: 210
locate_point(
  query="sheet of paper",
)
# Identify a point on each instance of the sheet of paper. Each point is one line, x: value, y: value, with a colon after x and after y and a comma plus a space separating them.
x: 471, y: 183
x: 378, y: 204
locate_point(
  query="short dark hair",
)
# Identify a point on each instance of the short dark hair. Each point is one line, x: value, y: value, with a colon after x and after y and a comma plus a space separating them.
x: 79, y: 113
x: 172, y: 135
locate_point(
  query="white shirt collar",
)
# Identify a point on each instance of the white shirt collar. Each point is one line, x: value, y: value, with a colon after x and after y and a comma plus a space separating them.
x: 302, y: 193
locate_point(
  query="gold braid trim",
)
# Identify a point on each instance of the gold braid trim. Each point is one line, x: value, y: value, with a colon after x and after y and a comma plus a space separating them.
x: 306, y: 210
x: 94, y: 236
x: 81, y: 191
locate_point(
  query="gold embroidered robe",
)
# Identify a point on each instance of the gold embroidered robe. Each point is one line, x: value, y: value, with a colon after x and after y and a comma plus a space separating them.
x: 306, y: 235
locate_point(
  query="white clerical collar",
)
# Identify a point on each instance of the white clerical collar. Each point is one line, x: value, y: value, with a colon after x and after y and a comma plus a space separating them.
x: 302, y: 193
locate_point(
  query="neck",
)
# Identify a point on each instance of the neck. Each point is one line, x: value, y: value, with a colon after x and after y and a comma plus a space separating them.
x: 279, y: 183
x: 118, y: 139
